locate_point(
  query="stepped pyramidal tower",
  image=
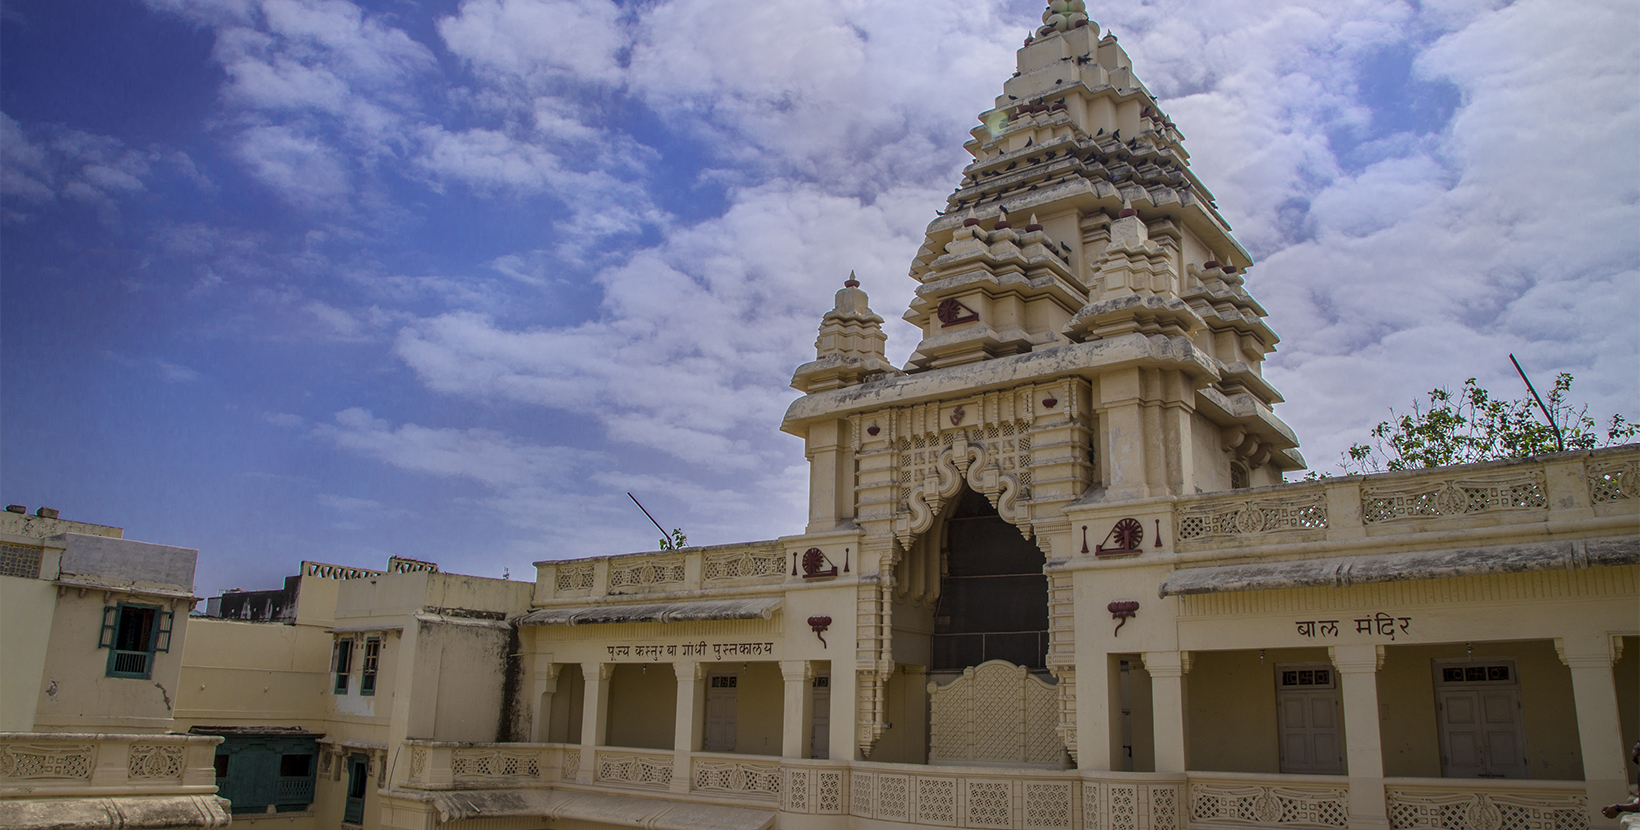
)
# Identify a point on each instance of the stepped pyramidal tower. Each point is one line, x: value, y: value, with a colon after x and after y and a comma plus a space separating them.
x: 1087, y: 341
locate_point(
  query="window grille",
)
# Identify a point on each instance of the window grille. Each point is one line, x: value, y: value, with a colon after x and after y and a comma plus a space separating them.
x: 20, y: 560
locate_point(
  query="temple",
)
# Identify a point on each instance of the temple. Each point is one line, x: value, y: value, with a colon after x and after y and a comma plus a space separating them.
x: 1052, y: 577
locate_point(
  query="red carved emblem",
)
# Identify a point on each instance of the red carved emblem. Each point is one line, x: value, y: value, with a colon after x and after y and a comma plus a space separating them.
x: 1127, y: 534
x: 951, y: 313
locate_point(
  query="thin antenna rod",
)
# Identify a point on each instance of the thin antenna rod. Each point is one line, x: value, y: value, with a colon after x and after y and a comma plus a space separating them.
x: 646, y: 513
x: 1559, y: 442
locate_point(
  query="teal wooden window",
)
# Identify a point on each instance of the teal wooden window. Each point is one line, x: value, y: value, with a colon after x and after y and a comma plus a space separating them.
x: 133, y: 634
x: 367, y: 671
x: 257, y: 772
x: 342, y: 664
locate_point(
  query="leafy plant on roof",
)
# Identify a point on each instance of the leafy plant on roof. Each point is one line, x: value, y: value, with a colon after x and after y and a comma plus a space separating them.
x: 1475, y: 425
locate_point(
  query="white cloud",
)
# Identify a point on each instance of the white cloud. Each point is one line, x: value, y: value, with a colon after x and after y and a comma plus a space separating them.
x: 300, y: 167
x: 40, y: 163
x: 174, y: 372
x: 854, y: 97
x: 697, y: 337
x: 481, y: 455
x: 537, y: 40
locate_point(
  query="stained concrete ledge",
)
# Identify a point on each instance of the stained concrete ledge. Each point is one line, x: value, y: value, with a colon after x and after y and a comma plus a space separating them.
x: 120, y: 813
x: 759, y: 608
x: 625, y: 811
x: 1398, y: 567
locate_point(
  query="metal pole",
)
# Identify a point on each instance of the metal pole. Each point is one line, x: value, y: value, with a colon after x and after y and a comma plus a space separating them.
x: 646, y: 513
x: 1559, y: 442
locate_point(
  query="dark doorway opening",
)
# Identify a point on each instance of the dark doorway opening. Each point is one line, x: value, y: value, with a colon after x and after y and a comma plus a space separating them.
x: 993, y: 595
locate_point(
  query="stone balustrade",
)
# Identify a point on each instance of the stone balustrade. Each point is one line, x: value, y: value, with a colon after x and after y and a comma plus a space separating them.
x: 745, y: 776
x: 1485, y: 804
x: 69, y: 764
x: 448, y: 765
x: 687, y: 569
x: 1561, y: 487
x: 1230, y: 800
x: 1003, y: 799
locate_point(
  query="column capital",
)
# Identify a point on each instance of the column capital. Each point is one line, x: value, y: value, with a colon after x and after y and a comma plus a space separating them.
x: 1602, y: 651
x: 545, y: 668
x: 1368, y: 659
x: 689, y: 670
x: 796, y: 671
x: 1166, y: 663
x: 601, y: 671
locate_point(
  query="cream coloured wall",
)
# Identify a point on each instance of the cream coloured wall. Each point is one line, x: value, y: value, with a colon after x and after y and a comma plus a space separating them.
x: 1143, y: 716
x: 245, y: 673
x: 759, y: 709
x: 472, y: 665
x: 1232, y: 708
x: 565, y: 724
x: 907, y: 741
x: 1408, y: 721
x: 75, y: 693
x: 26, y: 608
x: 1626, y: 673
x: 642, y: 706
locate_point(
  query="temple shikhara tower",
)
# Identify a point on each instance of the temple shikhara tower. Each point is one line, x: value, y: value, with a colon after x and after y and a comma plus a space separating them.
x: 1051, y: 577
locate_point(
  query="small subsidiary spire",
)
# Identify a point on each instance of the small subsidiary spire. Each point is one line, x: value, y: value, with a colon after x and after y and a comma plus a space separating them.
x: 1063, y: 16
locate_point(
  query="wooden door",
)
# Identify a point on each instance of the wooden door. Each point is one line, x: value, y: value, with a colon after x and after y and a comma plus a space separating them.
x: 820, y: 734
x: 1482, y: 734
x: 1307, y: 719
x: 721, y: 707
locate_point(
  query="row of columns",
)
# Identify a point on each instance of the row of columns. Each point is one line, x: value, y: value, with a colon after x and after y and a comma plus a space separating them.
x: 690, y: 720
x: 1594, y: 691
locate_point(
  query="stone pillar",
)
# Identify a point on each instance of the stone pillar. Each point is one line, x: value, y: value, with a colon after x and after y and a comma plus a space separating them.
x: 845, y: 711
x: 594, y: 717
x: 1363, y: 750
x: 797, y: 720
x: 546, y: 685
x: 1167, y: 670
x: 1097, y: 711
x: 1594, y: 693
x: 690, y: 721
x: 831, y: 475
x: 1126, y: 444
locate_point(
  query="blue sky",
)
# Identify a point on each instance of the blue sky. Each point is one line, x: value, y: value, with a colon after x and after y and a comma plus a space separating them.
x: 333, y: 280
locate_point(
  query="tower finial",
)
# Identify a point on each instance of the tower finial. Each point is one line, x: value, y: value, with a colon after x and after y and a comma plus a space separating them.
x: 851, y: 282
x: 1063, y: 16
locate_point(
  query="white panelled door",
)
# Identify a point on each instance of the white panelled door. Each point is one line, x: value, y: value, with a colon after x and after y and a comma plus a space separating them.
x: 1307, y: 719
x: 820, y: 737
x: 722, y: 705
x: 1483, y: 733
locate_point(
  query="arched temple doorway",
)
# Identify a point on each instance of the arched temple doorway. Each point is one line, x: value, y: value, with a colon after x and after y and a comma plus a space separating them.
x: 981, y: 588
